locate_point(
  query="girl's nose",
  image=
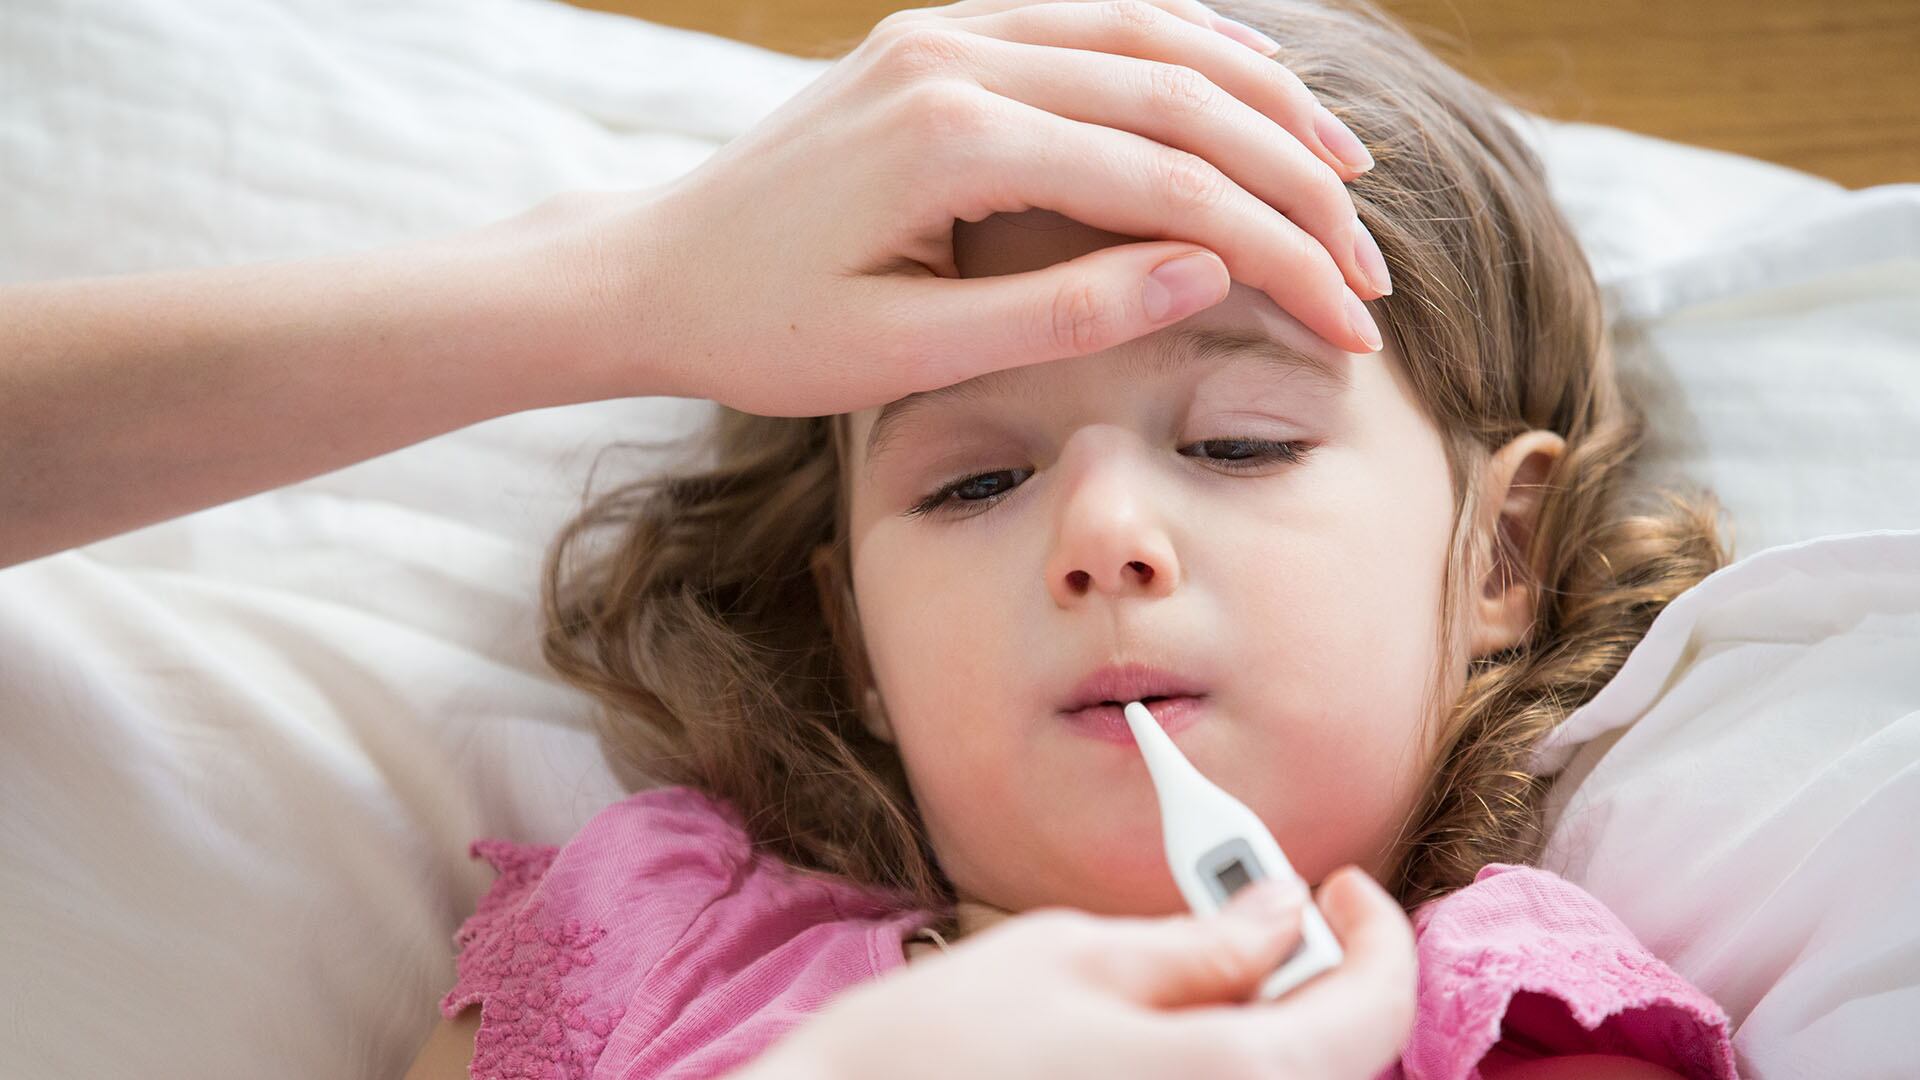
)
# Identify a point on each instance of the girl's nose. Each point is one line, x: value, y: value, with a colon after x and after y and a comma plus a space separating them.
x: 1080, y: 580
x: 1112, y: 533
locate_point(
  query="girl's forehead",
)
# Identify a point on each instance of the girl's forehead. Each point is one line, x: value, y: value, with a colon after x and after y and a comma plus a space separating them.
x: 1236, y: 329
x: 1035, y: 239
x: 1029, y: 240
x: 1245, y: 313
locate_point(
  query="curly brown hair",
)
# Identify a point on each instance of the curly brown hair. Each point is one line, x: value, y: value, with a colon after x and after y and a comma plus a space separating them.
x: 713, y: 626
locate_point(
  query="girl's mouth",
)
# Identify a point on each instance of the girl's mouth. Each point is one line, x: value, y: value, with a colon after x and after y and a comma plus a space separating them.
x: 1106, y: 722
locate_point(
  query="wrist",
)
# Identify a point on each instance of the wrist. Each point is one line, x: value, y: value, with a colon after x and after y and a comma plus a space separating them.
x: 579, y: 272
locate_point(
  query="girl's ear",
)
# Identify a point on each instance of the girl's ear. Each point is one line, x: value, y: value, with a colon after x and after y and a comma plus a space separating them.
x: 843, y: 623
x: 1513, y: 486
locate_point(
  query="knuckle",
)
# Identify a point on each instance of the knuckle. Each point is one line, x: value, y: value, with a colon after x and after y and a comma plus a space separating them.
x: 879, y: 43
x: 946, y: 111
x: 1300, y: 99
x: 1331, y: 192
x: 893, y: 22
x: 916, y: 50
x: 1180, y: 90
x: 1191, y: 183
x: 1082, y: 319
x: 1133, y: 16
x: 1310, y: 260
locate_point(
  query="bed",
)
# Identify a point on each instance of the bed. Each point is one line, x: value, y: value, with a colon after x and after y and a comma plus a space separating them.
x: 242, y: 753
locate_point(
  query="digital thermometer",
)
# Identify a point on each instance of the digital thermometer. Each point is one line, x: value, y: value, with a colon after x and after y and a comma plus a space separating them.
x: 1216, y: 847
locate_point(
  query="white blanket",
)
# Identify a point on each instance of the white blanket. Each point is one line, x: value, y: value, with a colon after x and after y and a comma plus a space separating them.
x: 242, y: 753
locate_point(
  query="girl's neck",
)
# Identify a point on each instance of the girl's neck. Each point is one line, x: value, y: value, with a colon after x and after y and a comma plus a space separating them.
x: 974, y: 916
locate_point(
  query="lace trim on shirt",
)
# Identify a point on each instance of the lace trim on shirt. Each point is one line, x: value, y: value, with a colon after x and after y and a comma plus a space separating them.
x: 512, y: 961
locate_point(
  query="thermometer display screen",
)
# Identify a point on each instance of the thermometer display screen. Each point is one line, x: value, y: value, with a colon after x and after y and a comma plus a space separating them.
x: 1233, y: 877
x: 1225, y: 870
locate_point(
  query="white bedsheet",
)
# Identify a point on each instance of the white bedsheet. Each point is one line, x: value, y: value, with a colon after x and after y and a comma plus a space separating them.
x: 242, y: 753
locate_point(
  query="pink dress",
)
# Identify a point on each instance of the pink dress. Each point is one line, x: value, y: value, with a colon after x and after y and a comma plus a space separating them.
x: 657, y: 943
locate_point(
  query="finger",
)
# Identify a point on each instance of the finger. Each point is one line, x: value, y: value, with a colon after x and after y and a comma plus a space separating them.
x: 1191, y: 10
x: 1024, y: 157
x: 1351, y: 1021
x: 1186, y: 961
x: 1098, y: 300
x: 1151, y: 34
x: 1178, y: 106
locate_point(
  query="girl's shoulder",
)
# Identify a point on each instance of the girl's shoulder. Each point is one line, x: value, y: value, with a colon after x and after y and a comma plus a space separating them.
x: 1527, y: 961
x: 656, y: 932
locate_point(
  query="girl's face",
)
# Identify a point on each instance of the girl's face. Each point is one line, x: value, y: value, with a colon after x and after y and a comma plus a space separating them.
x: 1108, y: 523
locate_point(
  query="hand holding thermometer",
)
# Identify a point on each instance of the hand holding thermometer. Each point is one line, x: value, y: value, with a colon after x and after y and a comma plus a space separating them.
x: 1216, y: 847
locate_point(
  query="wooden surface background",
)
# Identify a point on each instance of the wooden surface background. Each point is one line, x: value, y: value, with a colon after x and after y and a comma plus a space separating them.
x: 1830, y: 87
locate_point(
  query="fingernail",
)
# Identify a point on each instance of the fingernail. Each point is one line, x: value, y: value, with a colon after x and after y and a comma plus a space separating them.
x: 1340, y: 140
x: 1181, y: 286
x: 1362, y: 321
x: 1366, y: 252
x: 1246, y: 35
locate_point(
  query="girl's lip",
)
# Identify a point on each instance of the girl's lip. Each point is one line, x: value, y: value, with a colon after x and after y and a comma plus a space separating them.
x: 1108, y: 723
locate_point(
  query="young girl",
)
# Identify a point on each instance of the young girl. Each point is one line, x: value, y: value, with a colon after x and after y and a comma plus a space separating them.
x: 868, y: 667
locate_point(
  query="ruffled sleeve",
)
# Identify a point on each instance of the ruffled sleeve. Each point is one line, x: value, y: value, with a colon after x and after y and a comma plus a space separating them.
x: 559, y: 941
x: 517, y: 868
x: 1524, y: 957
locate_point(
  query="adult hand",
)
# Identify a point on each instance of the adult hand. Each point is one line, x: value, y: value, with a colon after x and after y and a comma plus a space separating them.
x: 1059, y: 993
x: 808, y: 268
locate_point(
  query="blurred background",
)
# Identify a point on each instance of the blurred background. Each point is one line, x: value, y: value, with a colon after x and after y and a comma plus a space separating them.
x: 1830, y: 87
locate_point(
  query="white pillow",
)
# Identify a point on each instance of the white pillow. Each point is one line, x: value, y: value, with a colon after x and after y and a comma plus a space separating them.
x: 1769, y: 321
x: 242, y: 753
x: 245, y: 750
x: 1743, y: 795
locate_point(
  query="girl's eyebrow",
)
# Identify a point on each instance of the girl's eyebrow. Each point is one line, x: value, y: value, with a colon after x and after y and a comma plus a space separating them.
x: 1178, y: 351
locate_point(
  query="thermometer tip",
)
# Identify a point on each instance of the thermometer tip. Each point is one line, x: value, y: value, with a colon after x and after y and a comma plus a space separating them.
x: 1146, y: 730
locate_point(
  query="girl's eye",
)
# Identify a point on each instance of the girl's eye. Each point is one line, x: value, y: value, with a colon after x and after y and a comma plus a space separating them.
x: 981, y: 490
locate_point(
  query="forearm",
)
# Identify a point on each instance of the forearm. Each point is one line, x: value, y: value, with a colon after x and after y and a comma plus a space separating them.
x: 129, y: 400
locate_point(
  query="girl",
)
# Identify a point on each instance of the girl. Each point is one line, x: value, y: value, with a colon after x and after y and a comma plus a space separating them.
x: 868, y: 666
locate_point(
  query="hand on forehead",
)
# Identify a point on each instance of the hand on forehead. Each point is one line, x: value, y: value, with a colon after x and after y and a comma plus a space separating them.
x: 1016, y: 243
x: 1035, y: 239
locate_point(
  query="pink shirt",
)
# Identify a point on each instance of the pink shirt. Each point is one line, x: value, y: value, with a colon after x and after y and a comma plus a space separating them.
x: 657, y: 943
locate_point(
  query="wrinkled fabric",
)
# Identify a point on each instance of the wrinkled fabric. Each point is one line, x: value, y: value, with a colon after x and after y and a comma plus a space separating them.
x: 658, y: 943
x: 1525, y: 956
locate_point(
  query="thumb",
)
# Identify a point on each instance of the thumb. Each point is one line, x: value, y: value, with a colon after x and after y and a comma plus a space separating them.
x: 971, y: 326
x: 1216, y: 959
